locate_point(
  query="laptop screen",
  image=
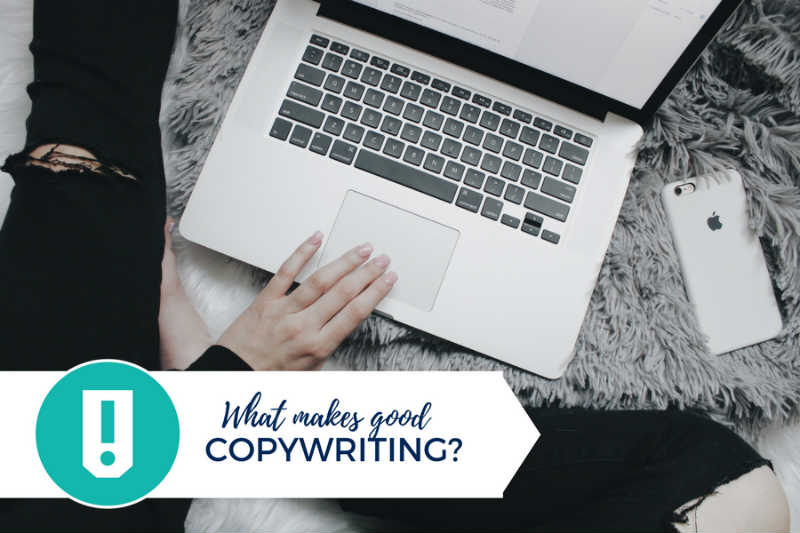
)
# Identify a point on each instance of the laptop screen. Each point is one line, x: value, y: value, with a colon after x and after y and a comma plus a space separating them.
x: 622, y: 49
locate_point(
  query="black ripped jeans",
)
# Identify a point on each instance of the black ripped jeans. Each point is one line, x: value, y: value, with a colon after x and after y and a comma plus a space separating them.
x: 80, y: 255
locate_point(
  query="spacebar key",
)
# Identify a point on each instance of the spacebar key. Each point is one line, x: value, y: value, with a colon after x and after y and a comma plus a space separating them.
x: 406, y: 175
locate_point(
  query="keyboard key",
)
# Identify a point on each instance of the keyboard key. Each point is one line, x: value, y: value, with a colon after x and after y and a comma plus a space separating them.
x: 471, y: 156
x: 529, y: 136
x: 511, y: 171
x: 474, y: 178
x: 411, y: 133
x: 552, y: 166
x: 433, y: 120
x: 405, y: 175
x: 340, y: 48
x: 332, y: 104
x: 574, y: 153
x: 490, y: 121
x: 541, y: 123
x: 450, y: 105
x: 413, y: 113
x: 301, y: 113
x: 492, y: 208
x: 470, y: 113
x: 483, y: 101
x: 334, y: 125
x: 461, y: 92
x: 430, y: 98
x: 410, y: 90
x: 454, y: 170
x: 371, y: 118
x: 400, y: 70
x: 558, y: 189
x: 493, y: 143
x: 583, y: 139
x: 394, y: 147
x: 441, y: 85
x: 352, y: 69
x: 502, y: 108
x: 379, y: 62
x: 313, y: 55
x: 451, y: 148
x: 419, y: 77
x: 533, y: 158
x: 431, y: 140
x: 561, y: 131
x: 522, y: 116
x: 510, y: 221
x: 343, y: 152
x: 371, y: 76
x: 280, y: 129
x: 373, y: 98
x: 354, y: 90
x: 319, y: 40
x: 334, y: 84
x: 572, y: 174
x: 546, y: 206
x: 304, y: 93
x: 531, y: 179
x: 351, y: 110
x: 453, y: 127
x: 373, y: 140
x: 549, y: 236
x: 469, y: 200
x: 320, y: 143
x: 473, y: 135
x: 414, y: 156
x: 532, y: 224
x: 434, y: 163
x: 391, y: 83
x: 393, y: 105
x: 512, y: 151
x: 549, y: 144
x: 509, y: 128
x: 359, y: 55
x: 353, y: 132
x: 391, y: 125
x: 515, y: 193
x: 494, y: 186
x: 491, y: 163
x: 332, y: 62
x: 311, y: 75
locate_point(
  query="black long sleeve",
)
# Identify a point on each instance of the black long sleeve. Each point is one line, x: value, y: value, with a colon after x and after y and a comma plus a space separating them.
x: 219, y: 358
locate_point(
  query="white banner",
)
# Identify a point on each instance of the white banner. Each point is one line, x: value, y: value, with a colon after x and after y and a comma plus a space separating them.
x: 298, y: 434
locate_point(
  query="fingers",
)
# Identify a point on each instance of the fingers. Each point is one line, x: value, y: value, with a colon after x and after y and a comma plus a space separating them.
x: 326, y: 277
x: 358, y: 309
x: 287, y: 273
x: 345, y: 290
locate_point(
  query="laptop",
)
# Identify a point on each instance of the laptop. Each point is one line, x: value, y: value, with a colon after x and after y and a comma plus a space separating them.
x: 484, y: 145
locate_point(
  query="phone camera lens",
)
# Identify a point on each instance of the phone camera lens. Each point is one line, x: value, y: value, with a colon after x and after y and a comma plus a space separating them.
x: 678, y: 191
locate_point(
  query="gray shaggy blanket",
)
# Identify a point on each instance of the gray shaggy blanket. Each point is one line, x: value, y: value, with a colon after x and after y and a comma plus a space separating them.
x: 639, y: 346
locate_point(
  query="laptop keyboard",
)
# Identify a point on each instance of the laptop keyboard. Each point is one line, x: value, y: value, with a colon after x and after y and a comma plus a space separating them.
x: 433, y: 136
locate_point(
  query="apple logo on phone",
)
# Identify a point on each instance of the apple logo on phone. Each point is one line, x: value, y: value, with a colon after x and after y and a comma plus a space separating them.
x: 713, y: 222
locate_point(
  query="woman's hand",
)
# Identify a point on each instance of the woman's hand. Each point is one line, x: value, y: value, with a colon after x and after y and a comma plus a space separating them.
x: 300, y: 330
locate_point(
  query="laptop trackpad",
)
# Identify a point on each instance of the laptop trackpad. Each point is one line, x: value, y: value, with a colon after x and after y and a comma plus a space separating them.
x: 420, y: 248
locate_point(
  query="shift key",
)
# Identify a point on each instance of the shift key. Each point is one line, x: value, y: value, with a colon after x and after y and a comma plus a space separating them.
x: 301, y: 113
x: 546, y: 206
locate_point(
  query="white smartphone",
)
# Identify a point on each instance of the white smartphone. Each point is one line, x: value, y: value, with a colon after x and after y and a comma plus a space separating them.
x: 723, y: 265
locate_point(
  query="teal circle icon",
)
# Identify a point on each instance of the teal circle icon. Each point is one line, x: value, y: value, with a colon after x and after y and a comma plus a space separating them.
x: 107, y: 433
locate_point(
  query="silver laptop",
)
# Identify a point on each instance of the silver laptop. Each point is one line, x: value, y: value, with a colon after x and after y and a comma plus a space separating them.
x: 485, y: 145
